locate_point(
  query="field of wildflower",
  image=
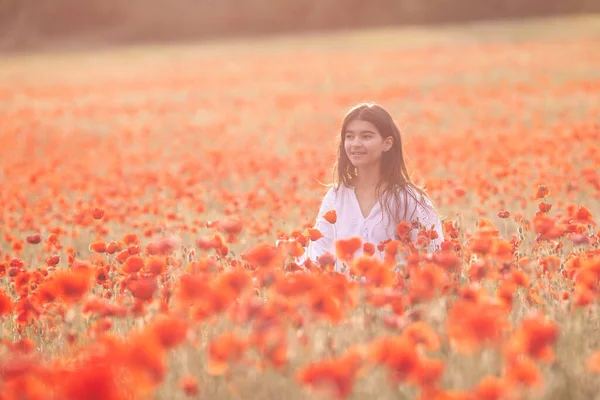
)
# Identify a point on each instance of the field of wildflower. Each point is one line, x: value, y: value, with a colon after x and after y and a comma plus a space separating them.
x: 153, y: 200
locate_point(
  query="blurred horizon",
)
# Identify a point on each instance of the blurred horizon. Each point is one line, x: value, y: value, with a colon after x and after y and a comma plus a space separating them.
x: 29, y: 26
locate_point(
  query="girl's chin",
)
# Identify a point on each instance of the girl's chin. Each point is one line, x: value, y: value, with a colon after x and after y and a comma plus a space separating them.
x: 357, y: 160
x: 359, y: 164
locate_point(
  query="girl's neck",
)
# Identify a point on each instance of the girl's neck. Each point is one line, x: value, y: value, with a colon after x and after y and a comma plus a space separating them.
x: 366, y: 179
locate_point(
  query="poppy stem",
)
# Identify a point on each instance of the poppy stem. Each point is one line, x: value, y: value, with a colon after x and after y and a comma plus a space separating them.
x: 334, y: 241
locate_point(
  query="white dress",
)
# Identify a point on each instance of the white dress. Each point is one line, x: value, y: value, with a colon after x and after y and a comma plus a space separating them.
x: 375, y: 228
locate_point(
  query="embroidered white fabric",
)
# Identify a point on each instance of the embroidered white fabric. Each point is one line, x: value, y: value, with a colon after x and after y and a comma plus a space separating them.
x: 375, y: 228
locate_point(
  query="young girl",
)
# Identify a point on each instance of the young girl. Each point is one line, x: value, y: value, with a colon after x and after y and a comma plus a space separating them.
x: 372, y: 192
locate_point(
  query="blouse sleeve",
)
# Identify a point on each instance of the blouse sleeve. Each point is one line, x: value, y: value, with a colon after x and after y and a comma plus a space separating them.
x: 427, y: 216
x: 325, y: 244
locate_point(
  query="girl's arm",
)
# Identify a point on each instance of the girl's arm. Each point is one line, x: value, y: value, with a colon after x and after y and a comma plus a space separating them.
x: 427, y: 216
x: 324, y: 244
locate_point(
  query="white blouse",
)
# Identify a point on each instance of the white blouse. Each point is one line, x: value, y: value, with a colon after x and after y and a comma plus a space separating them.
x: 375, y: 228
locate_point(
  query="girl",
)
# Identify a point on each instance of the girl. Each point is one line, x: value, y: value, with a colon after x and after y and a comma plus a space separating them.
x: 372, y: 192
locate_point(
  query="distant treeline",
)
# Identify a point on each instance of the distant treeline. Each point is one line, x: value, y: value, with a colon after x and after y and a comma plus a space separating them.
x: 41, y: 24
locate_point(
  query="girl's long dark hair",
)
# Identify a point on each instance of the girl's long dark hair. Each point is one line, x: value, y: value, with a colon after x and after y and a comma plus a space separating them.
x: 395, y: 179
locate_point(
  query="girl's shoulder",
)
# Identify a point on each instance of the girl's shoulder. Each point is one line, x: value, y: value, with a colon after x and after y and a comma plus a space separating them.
x: 412, y: 195
x: 334, y: 190
x: 335, y: 193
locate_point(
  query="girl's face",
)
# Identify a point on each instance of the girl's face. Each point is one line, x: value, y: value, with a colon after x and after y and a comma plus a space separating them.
x: 363, y: 143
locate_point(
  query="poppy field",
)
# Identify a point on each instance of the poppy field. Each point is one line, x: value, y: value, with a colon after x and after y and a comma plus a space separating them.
x: 153, y: 201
